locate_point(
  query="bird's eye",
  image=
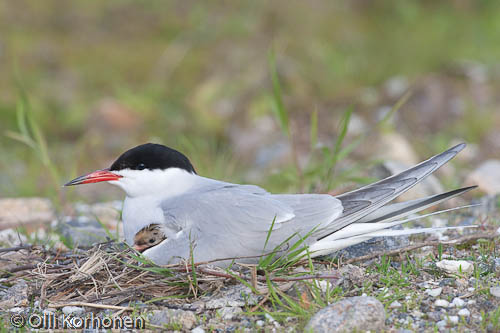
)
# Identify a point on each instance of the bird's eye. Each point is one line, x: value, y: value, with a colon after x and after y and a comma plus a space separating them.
x: 151, y: 241
x: 141, y: 166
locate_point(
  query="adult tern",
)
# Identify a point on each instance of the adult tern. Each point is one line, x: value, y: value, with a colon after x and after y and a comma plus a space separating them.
x: 211, y: 219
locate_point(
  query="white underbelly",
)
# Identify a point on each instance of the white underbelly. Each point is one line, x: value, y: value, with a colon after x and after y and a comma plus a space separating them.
x: 139, y: 213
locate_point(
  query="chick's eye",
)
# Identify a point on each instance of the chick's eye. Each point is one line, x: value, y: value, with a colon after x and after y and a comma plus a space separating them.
x: 141, y: 166
x: 151, y: 241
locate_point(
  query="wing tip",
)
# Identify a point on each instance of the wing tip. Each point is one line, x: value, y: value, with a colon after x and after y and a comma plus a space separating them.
x: 458, y: 148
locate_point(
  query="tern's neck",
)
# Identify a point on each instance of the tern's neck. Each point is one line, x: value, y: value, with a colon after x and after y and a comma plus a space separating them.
x: 160, y: 184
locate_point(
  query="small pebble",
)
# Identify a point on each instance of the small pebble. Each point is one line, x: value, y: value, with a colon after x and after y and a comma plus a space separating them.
x: 395, y: 305
x: 198, y: 329
x: 471, y: 289
x: 268, y: 317
x: 471, y: 302
x: 442, y: 303
x: 455, y: 266
x: 453, y: 319
x: 464, y: 313
x: 495, y: 291
x: 67, y: 310
x: 260, y: 323
x: 434, y: 292
x: 458, y: 302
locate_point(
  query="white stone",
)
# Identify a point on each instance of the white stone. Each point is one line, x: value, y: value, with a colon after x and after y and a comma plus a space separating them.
x: 453, y: 319
x: 464, y: 313
x: 434, y: 292
x: 269, y: 317
x: 228, y: 313
x: 418, y: 314
x: 495, y: 291
x: 24, y: 211
x: 75, y: 310
x: 442, y: 303
x: 455, y: 266
x: 487, y: 177
x: 395, y: 305
x: 260, y: 323
x: 458, y: 302
x: 198, y: 329
x: 471, y: 289
x: 471, y: 302
x: 16, y: 310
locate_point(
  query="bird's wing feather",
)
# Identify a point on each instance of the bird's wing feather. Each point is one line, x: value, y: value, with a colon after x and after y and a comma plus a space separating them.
x: 235, y: 220
x: 402, y: 209
x: 367, y: 199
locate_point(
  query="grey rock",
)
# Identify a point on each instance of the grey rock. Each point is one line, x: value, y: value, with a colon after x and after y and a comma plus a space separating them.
x: 434, y: 316
x: 228, y: 313
x: 487, y: 177
x: 455, y: 266
x: 396, y: 86
x: 396, y: 148
x: 169, y: 317
x: 11, y: 237
x: 464, y: 313
x: 231, y: 296
x: 17, y: 295
x: 495, y: 291
x: 25, y: 211
x: 107, y: 212
x: 434, y: 292
x: 17, y: 309
x: 74, y: 310
x: 496, y: 265
x: 358, y: 313
x: 458, y: 302
x: 442, y: 303
x: 198, y: 329
x: 82, y: 231
x: 351, y: 275
x: 395, y: 305
x: 373, y: 245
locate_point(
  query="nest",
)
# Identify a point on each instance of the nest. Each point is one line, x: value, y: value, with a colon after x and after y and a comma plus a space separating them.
x: 110, y: 274
x: 107, y: 274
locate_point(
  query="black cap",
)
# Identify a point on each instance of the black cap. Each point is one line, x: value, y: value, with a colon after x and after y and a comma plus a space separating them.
x: 152, y: 156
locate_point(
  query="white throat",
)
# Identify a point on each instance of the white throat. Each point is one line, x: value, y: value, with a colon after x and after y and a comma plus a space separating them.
x: 161, y: 184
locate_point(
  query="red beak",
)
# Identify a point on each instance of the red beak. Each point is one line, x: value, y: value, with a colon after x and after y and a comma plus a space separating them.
x: 95, y: 177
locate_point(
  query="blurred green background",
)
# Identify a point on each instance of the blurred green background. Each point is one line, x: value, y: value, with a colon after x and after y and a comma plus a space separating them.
x: 103, y: 76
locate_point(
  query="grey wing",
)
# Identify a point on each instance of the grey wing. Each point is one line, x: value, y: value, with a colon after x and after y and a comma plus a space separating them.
x: 235, y: 221
x: 367, y: 199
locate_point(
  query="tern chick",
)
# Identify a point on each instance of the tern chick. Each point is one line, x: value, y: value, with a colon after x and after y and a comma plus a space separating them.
x: 148, y: 237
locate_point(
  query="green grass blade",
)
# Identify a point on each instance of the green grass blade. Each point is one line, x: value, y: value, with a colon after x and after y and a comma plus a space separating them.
x: 278, y: 106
